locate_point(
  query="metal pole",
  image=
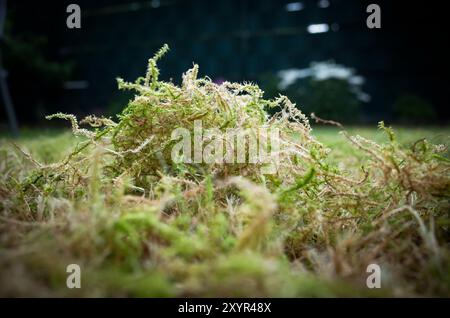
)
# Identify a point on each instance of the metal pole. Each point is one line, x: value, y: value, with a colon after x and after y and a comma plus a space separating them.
x: 6, y: 97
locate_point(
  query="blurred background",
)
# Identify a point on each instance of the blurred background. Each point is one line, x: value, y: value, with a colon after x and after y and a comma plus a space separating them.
x: 320, y: 53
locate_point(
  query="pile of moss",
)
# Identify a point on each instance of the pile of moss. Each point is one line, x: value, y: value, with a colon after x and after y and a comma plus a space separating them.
x: 140, y: 223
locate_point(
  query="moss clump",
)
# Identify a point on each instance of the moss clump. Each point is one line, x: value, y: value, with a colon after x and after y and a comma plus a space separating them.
x: 143, y: 224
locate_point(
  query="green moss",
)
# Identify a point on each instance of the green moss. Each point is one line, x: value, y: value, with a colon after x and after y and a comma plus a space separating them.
x: 141, y: 224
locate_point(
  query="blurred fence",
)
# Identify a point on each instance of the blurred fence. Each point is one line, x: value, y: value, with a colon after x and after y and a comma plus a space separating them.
x: 232, y: 40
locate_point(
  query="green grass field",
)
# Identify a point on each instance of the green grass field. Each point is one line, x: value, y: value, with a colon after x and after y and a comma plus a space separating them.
x: 49, y: 145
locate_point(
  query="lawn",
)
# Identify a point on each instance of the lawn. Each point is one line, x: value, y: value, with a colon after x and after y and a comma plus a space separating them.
x: 50, y: 145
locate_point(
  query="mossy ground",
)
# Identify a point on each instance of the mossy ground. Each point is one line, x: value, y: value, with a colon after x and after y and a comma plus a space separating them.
x: 37, y: 265
x: 110, y: 199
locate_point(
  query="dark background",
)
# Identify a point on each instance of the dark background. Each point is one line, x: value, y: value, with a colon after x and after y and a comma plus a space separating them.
x: 52, y: 68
